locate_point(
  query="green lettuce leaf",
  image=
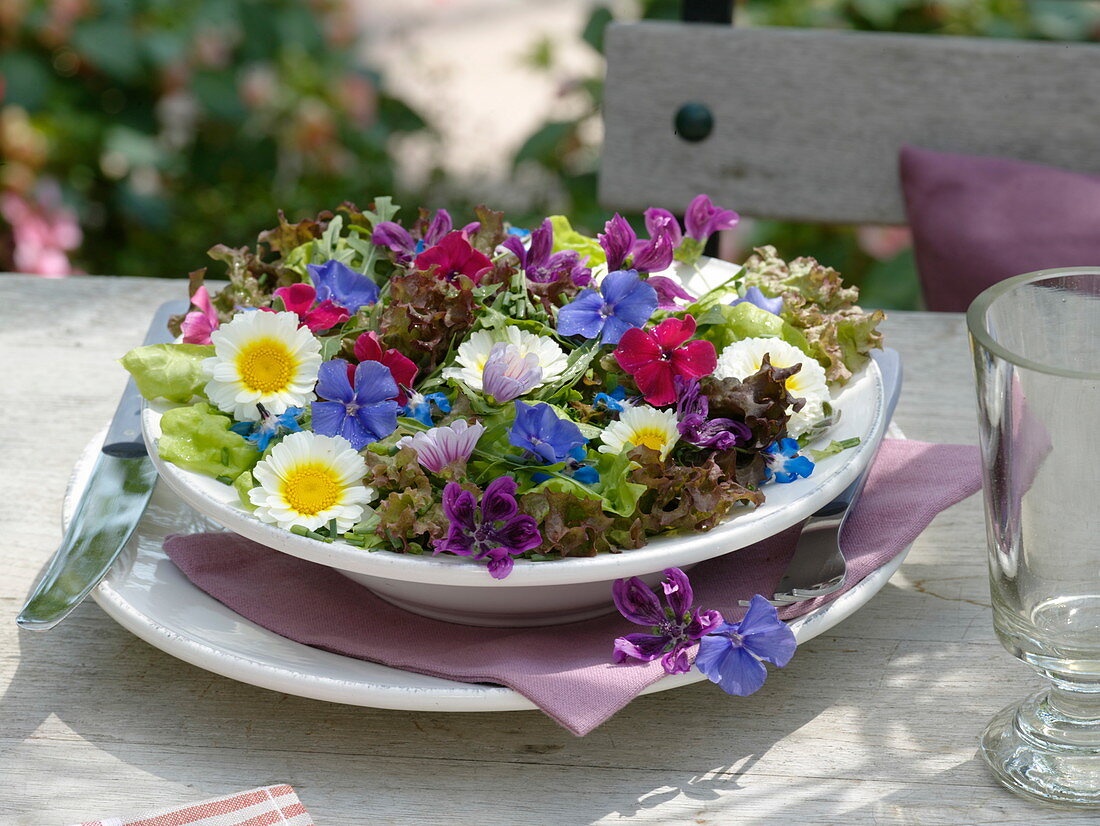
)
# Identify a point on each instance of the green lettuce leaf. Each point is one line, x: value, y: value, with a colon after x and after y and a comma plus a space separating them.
x: 722, y: 325
x: 198, y: 438
x: 169, y: 371
x: 567, y: 238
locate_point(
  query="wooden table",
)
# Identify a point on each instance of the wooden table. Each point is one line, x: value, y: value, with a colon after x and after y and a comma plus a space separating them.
x: 877, y: 721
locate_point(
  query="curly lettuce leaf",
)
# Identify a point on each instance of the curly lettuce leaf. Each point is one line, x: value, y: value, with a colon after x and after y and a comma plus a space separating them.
x: 198, y: 438
x: 169, y: 371
x: 761, y: 401
x: 567, y: 238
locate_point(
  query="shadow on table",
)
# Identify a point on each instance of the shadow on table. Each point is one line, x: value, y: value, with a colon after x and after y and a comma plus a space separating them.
x: 691, y: 752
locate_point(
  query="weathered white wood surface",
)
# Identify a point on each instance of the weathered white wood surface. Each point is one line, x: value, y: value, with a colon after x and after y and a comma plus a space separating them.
x: 875, y: 722
x: 807, y: 124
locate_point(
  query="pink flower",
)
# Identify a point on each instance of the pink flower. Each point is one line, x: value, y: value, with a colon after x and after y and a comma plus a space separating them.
x: 300, y: 298
x: 199, y: 324
x: 441, y: 446
x: 453, y: 256
x: 655, y: 357
x: 43, y: 232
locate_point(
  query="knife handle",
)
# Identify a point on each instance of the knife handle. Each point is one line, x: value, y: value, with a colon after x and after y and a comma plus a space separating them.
x: 124, y: 434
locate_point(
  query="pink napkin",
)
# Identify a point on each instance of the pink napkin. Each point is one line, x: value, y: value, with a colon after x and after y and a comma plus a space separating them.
x: 256, y: 807
x: 565, y: 670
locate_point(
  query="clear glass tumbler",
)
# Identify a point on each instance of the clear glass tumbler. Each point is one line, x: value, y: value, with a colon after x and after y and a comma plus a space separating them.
x: 1036, y: 347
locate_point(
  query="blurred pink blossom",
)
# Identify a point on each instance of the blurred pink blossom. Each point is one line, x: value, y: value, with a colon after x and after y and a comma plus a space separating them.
x: 883, y: 243
x: 43, y: 232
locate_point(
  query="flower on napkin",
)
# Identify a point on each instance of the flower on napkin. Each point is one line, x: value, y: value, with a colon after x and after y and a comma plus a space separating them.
x: 731, y: 655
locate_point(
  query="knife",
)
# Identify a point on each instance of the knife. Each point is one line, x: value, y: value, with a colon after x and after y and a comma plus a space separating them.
x: 108, y: 511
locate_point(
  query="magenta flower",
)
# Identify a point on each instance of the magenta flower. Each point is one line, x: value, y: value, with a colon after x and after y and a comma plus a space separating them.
x: 301, y: 299
x: 541, y: 265
x: 621, y: 244
x: 400, y: 241
x: 508, y: 374
x: 675, y: 626
x: 494, y: 530
x: 703, y: 218
x: 656, y: 357
x: 445, y: 445
x: 696, y: 428
x: 661, y: 220
x: 453, y: 256
x: 669, y: 292
x: 198, y: 324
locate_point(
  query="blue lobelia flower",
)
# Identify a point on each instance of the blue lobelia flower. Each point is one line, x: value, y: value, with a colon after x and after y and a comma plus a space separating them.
x: 419, y: 406
x: 784, y: 463
x: 363, y: 413
x: 538, y: 429
x: 754, y: 296
x: 611, y: 401
x: 269, y: 426
x: 624, y: 301
x: 730, y: 655
x: 342, y: 285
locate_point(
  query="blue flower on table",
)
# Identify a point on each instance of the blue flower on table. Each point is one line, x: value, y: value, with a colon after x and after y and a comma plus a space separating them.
x: 784, y: 463
x: 733, y: 654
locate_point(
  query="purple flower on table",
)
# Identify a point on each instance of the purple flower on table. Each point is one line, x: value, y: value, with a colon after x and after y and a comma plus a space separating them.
x: 343, y: 286
x: 445, y: 445
x: 538, y: 429
x: 508, y: 373
x: 703, y: 218
x: 695, y: 426
x: 675, y: 626
x: 494, y: 530
x: 543, y: 266
x: 269, y: 426
x: 405, y: 247
x: 784, y: 463
x: 623, y: 301
x: 669, y: 292
x: 754, y: 296
x: 362, y: 411
x: 731, y: 655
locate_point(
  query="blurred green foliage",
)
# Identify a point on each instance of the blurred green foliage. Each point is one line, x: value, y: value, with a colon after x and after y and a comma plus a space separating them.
x: 879, y: 261
x: 173, y: 124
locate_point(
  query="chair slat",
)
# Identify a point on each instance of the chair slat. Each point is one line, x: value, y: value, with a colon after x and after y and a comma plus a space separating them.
x: 807, y: 124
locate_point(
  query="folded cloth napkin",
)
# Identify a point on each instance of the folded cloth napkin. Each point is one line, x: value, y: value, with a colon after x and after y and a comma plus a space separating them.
x: 565, y: 670
x: 256, y: 807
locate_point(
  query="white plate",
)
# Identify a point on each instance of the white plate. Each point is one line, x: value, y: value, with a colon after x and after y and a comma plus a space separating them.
x: 146, y: 594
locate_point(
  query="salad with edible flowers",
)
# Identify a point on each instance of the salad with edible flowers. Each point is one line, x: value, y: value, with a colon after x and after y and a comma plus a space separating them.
x: 498, y: 392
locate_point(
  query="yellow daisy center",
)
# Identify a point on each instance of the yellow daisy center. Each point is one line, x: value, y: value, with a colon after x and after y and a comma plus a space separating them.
x: 310, y: 489
x: 650, y: 437
x: 265, y: 365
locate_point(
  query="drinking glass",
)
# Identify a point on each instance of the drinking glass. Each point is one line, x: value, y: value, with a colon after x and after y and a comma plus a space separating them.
x: 1036, y: 346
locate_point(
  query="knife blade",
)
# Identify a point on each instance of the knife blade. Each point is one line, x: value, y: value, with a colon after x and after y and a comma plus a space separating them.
x: 108, y: 511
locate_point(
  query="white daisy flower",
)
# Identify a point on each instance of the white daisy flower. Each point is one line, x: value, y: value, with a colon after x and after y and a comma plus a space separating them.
x: 475, y: 351
x: 309, y: 480
x: 641, y: 426
x: 743, y: 358
x: 262, y: 358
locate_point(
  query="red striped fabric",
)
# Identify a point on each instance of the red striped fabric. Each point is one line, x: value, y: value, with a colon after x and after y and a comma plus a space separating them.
x: 267, y: 806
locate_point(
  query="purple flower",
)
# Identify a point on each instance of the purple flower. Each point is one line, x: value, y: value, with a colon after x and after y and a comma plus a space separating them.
x: 508, y: 373
x: 621, y: 245
x: 661, y: 220
x: 342, y: 285
x: 655, y: 254
x: 694, y: 426
x: 444, y: 445
x: 617, y: 240
x: 730, y: 655
x: 784, y: 463
x: 494, y: 530
x: 538, y: 429
x: 754, y: 296
x: 401, y: 242
x: 361, y: 414
x: 541, y: 265
x: 669, y: 292
x: 703, y: 218
x: 676, y: 626
x: 624, y: 301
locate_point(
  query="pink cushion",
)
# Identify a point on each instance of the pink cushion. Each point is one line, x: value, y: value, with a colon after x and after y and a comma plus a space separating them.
x: 977, y: 221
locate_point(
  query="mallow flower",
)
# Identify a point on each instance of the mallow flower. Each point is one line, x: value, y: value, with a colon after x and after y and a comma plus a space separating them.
x: 492, y: 530
x: 400, y: 241
x: 623, y: 302
x: 623, y: 249
x: 542, y: 266
x: 733, y: 654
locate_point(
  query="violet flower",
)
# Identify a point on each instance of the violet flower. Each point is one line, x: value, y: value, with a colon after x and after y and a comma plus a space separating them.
x: 661, y: 220
x: 494, y: 530
x: 731, y: 654
x: 363, y: 413
x: 617, y: 240
x: 624, y: 301
x: 508, y: 373
x: 542, y: 266
x: 703, y: 218
x: 445, y: 445
x: 622, y: 247
x: 754, y: 296
x: 697, y: 429
x: 538, y: 429
x: 400, y: 241
x: 676, y: 626
x: 343, y: 286
x: 669, y: 292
